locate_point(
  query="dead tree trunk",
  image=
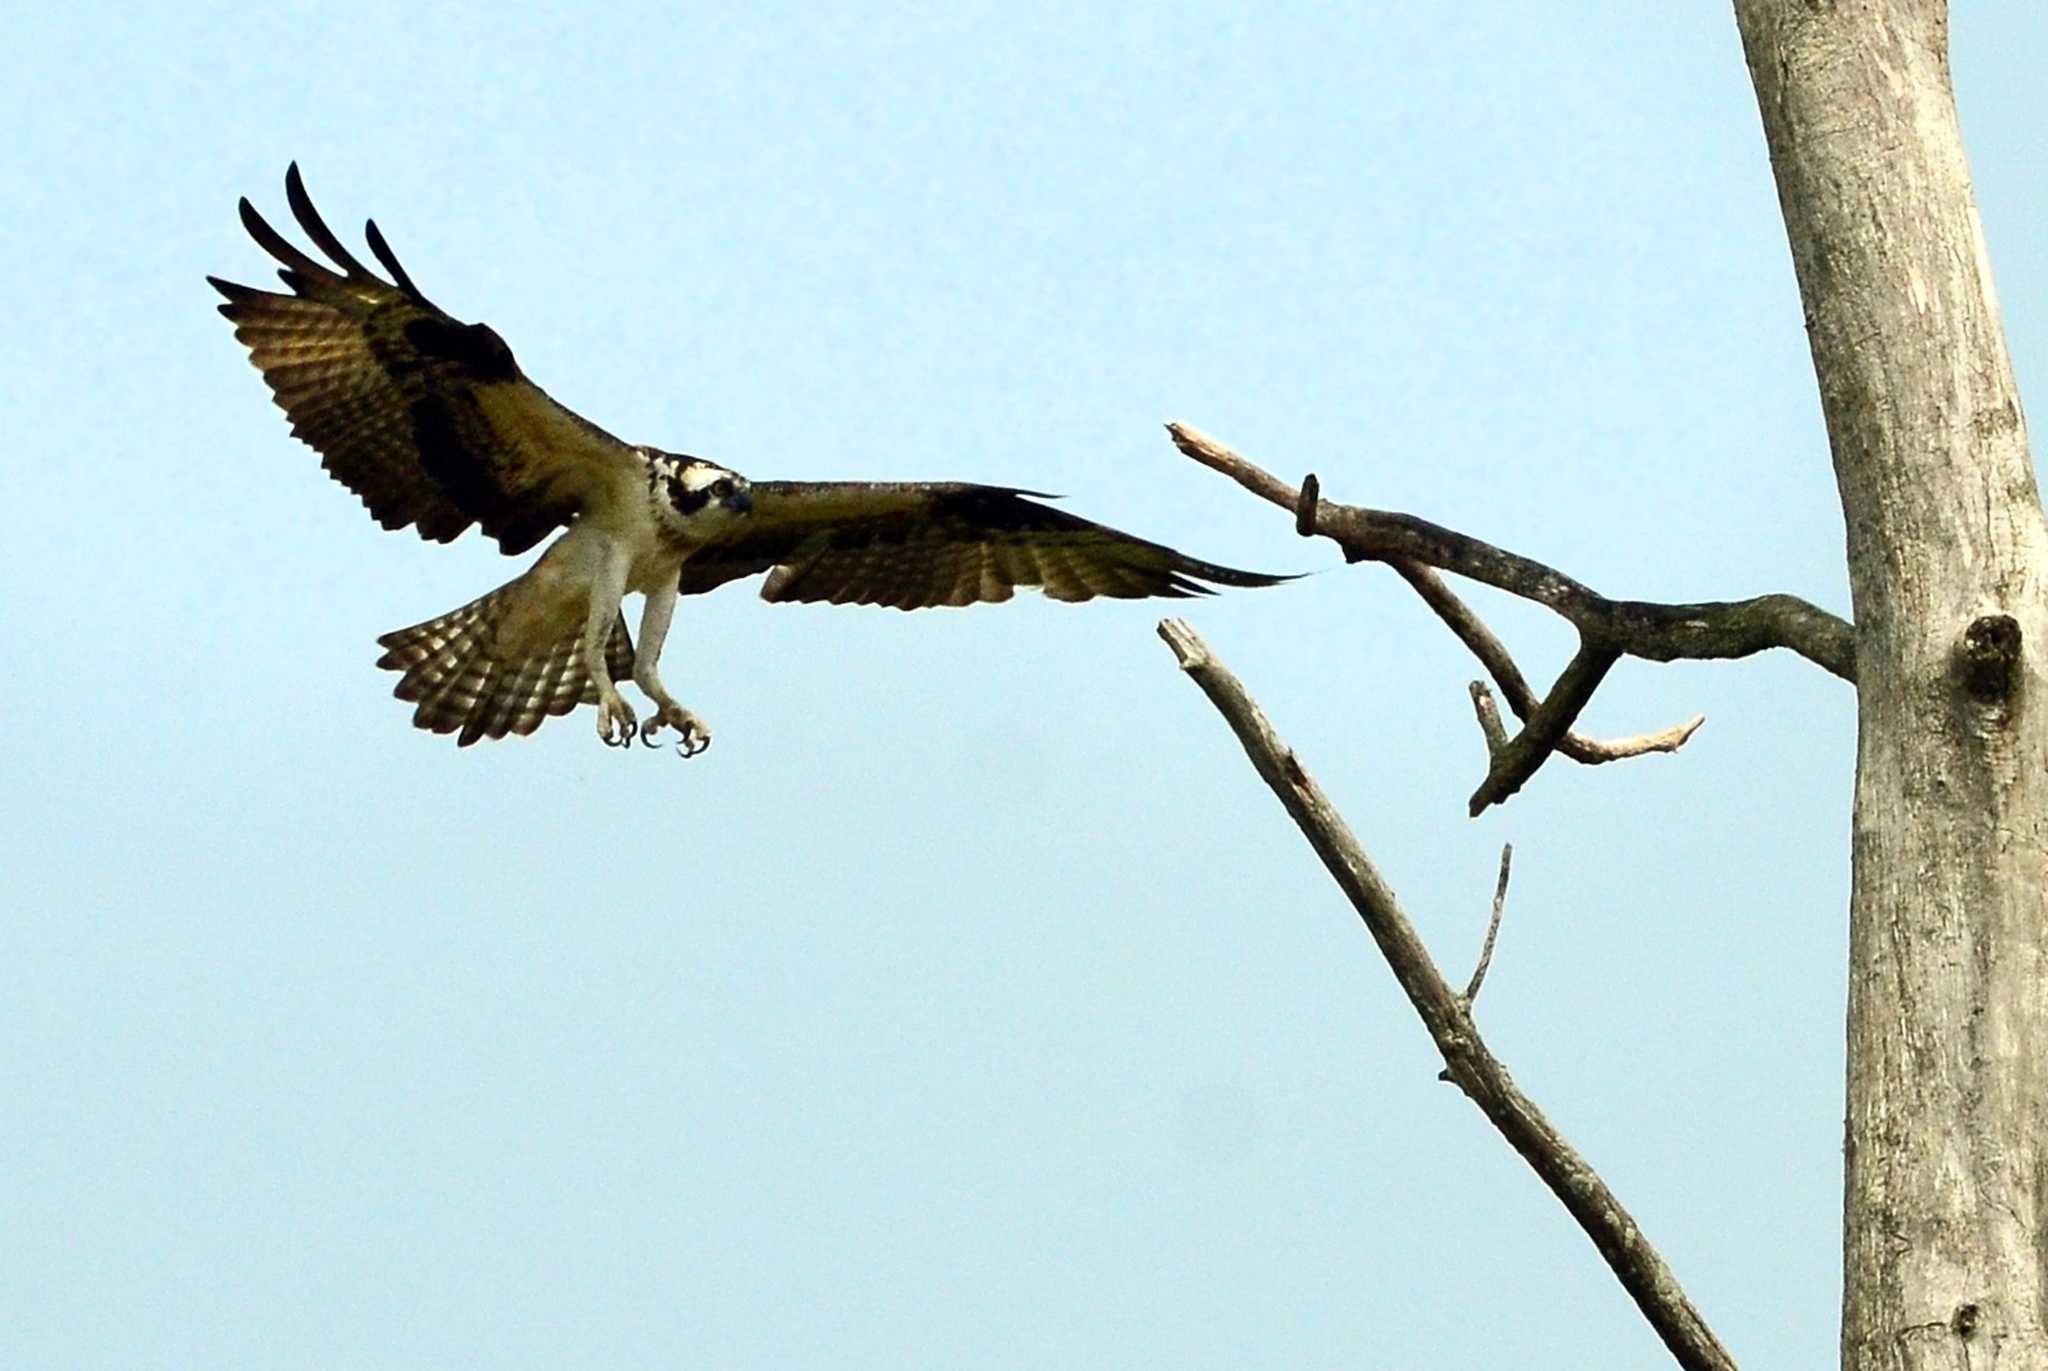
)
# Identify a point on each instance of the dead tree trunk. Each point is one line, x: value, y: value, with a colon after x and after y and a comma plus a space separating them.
x: 1945, y: 1212
x: 1944, y: 1250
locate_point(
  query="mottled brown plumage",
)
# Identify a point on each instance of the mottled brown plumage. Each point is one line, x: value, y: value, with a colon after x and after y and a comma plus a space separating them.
x: 427, y: 419
x: 913, y: 545
x: 433, y: 425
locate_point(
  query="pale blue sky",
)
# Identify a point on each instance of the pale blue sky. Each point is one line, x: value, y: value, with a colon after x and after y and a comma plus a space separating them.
x: 970, y: 1003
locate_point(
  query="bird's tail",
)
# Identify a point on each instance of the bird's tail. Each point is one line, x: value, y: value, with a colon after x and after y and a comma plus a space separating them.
x: 452, y: 669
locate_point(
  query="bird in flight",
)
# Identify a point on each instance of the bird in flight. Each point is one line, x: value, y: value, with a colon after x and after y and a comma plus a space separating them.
x: 434, y: 426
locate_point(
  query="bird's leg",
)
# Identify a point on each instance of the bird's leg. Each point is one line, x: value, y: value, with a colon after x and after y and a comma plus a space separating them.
x: 693, y: 734
x: 616, y: 725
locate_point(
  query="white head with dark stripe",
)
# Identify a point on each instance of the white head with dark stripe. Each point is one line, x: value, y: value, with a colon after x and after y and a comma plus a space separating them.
x: 693, y: 497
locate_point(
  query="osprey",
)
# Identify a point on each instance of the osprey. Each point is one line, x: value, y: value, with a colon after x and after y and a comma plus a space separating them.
x: 433, y: 425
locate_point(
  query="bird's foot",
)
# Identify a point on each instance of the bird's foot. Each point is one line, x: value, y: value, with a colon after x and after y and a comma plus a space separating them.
x: 616, y: 726
x: 693, y: 734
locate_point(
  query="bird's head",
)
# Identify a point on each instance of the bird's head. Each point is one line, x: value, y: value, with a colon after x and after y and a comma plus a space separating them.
x: 696, y: 497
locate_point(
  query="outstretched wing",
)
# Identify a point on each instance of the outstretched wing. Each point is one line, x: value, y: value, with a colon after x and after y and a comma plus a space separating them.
x: 426, y: 418
x: 912, y: 545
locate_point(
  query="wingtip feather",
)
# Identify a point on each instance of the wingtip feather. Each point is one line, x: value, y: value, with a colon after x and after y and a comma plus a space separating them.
x: 280, y: 247
x: 1229, y: 576
x: 382, y: 250
x: 316, y: 228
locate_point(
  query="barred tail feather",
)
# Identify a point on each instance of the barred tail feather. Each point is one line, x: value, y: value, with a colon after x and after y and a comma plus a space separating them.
x: 459, y: 683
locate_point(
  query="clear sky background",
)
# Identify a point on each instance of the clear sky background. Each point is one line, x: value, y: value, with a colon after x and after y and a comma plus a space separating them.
x: 970, y: 1003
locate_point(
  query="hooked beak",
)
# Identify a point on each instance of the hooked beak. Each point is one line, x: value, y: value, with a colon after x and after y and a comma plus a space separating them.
x: 740, y: 502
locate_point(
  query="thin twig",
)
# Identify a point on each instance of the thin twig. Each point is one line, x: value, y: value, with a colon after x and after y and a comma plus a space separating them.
x: 1471, y: 1065
x: 1500, y: 899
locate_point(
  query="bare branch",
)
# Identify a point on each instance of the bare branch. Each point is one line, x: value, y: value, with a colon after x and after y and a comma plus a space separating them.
x: 1214, y: 455
x: 1526, y: 752
x: 1472, y: 631
x: 1614, y: 749
x: 1500, y: 899
x: 1493, y: 655
x: 1489, y: 719
x: 1455, y: 613
x: 1471, y: 1065
x: 1709, y: 630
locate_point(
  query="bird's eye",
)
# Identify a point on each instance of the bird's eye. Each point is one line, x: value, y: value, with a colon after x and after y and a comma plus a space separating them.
x: 721, y: 488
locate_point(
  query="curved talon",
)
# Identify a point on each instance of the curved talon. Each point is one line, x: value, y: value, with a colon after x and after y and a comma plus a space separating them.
x: 614, y: 715
x: 692, y: 736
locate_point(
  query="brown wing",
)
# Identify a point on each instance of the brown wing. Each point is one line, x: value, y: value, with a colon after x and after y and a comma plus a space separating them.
x: 426, y: 418
x: 913, y: 545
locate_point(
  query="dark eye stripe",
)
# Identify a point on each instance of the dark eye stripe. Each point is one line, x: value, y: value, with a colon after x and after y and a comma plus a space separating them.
x: 685, y: 500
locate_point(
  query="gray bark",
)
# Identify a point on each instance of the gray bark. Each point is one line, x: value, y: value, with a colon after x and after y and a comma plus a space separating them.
x: 1945, y: 1259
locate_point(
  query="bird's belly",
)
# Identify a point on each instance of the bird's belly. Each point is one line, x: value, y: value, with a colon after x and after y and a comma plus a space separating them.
x: 650, y: 572
x: 541, y: 608
x: 552, y: 600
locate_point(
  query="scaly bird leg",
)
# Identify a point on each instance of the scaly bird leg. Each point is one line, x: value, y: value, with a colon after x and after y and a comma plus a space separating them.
x: 694, y: 735
x: 616, y: 725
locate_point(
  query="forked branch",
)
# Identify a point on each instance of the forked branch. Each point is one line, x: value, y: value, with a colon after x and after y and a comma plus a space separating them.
x: 1705, y: 631
x: 1608, y: 629
x: 1494, y: 656
x: 1447, y: 1016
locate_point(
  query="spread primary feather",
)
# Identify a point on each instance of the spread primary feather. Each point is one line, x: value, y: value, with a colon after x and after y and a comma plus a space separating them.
x: 433, y: 425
